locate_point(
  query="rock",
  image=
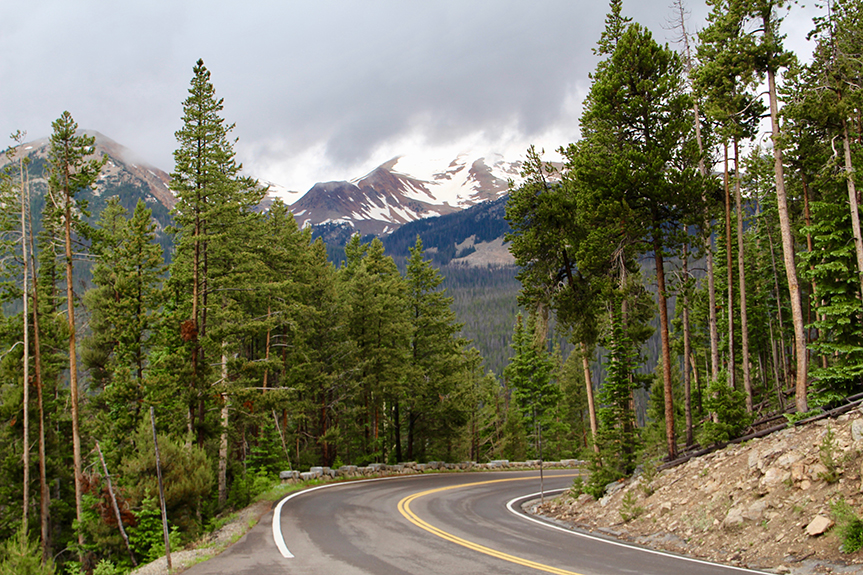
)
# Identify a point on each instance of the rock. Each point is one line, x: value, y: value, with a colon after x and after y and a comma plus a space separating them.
x: 774, y: 477
x: 798, y: 471
x: 819, y: 526
x: 289, y: 475
x: 734, y: 518
x: 754, y: 459
x: 857, y: 429
x: 664, y: 507
x: 756, y: 511
x: 614, y: 487
x: 786, y: 460
x: 817, y: 471
x: 584, y: 499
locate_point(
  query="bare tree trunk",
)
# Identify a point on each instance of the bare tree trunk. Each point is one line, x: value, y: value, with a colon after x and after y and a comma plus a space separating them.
x: 115, y: 506
x: 741, y: 278
x: 73, y: 372
x: 591, y: 406
x: 732, y: 380
x: 852, y: 201
x: 666, y: 347
x: 44, y: 492
x: 786, y: 370
x: 702, y: 169
x: 779, y: 395
x: 24, y: 202
x: 687, y: 350
x: 165, y: 533
x: 801, y: 383
x: 695, y: 377
x: 267, y: 352
x: 223, y: 439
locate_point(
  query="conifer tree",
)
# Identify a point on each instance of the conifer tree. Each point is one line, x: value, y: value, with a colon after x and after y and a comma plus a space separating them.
x: 529, y: 375
x: 637, y: 162
x: 71, y: 172
x: 544, y: 240
x: 122, y: 309
x: 214, y: 206
x: 379, y: 324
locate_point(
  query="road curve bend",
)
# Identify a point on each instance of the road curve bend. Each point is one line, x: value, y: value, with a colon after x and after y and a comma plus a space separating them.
x: 437, y: 523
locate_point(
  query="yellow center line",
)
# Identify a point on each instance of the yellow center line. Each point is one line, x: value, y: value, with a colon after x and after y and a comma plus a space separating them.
x: 405, y: 510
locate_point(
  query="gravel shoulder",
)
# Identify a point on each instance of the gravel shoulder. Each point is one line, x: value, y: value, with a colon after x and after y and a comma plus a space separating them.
x: 211, y: 545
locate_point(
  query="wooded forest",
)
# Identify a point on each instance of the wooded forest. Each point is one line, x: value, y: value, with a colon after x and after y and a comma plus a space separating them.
x: 248, y: 352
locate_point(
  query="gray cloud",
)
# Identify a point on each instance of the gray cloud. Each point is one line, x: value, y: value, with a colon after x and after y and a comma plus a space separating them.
x: 343, y: 78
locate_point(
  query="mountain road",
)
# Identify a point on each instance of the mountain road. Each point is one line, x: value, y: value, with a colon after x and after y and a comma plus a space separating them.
x: 436, y: 523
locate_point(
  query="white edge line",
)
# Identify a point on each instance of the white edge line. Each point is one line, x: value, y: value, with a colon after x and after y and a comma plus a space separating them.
x: 509, y: 505
x: 277, y: 512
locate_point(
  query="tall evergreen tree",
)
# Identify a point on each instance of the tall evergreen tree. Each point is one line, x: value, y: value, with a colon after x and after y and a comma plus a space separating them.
x: 638, y: 161
x: 435, y: 358
x: 122, y: 309
x: 214, y: 205
x: 70, y: 173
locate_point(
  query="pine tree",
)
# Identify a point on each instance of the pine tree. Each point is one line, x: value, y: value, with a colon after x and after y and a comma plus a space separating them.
x: 435, y: 359
x: 379, y: 324
x: 545, y: 240
x: 122, y: 307
x: 71, y: 172
x: 529, y: 375
x: 213, y: 210
x: 637, y: 163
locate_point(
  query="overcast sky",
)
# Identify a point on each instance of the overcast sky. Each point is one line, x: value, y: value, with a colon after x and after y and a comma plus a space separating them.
x: 318, y: 90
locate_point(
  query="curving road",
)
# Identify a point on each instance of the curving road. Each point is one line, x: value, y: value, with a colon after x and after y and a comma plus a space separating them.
x: 442, y: 523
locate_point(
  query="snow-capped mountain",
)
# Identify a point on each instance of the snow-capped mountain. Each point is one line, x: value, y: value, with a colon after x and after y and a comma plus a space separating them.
x: 121, y: 173
x: 405, y: 189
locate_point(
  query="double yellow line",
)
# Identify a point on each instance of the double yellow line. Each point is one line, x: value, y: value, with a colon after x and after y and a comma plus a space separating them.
x: 405, y: 510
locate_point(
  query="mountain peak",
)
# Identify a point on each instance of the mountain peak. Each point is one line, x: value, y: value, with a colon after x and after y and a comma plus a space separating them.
x: 407, y: 188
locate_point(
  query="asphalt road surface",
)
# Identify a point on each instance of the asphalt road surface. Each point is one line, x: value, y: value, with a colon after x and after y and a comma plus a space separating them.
x: 450, y: 524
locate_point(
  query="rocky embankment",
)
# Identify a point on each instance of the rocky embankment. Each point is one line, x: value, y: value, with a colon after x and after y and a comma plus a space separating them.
x: 765, y: 504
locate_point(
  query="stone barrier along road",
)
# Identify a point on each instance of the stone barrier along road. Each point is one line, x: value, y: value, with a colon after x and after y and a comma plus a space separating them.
x: 410, y: 468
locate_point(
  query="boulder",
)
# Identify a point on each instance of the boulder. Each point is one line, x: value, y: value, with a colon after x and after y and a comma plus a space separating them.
x: 774, y: 476
x: 819, y: 526
x: 734, y: 518
x: 857, y: 429
x: 756, y: 511
x: 289, y: 475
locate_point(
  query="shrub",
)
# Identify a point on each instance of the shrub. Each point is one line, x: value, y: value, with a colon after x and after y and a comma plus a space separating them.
x: 147, y: 537
x: 729, y: 406
x: 629, y: 509
x: 21, y: 556
x: 848, y: 525
x: 187, y: 473
x: 827, y: 455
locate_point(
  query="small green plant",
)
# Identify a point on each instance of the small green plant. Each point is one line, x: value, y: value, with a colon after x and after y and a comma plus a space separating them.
x: 827, y: 455
x: 849, y: 526
x: 578, y: 487
x: 19, y: 554
x: 647, y: 476
x: 105, y: 567
x: 795, y: 417
x: 147, y: 537
x: 629, y: 509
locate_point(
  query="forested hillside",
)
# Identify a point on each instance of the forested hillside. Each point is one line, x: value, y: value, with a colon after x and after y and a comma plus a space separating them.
x: 249, y: 351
